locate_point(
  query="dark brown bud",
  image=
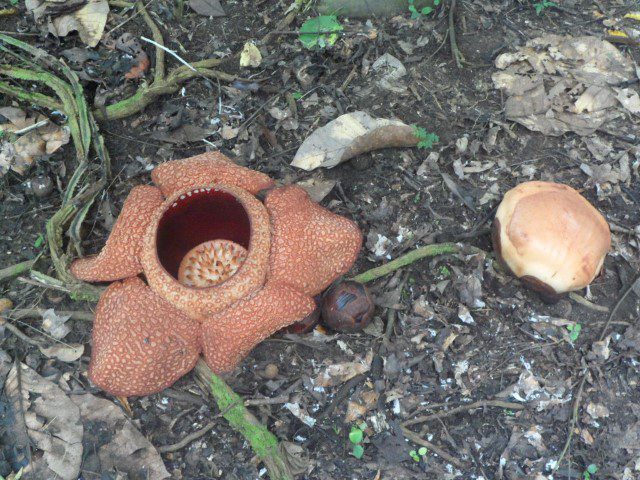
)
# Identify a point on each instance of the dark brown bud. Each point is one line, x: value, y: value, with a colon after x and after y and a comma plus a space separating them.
x: 347, y: 307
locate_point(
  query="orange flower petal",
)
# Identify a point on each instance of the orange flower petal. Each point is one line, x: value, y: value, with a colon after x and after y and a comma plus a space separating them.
x: 120, y: 257
x: 141, y: 344
x: 230, y: 335
x: 206, y: 169
x: 310, y: 246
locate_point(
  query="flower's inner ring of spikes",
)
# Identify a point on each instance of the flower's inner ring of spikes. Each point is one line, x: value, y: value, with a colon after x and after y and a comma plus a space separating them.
x: 210, y: 263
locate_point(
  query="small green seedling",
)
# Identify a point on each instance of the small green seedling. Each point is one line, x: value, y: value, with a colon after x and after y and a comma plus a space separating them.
x: 543, y: 5
x: 319, y: 31
x: 509, y: 412
x: 356, y: 436
x: 39, y: 241
x: 591, y: 470
x: 415, y: 13
x: 297, y: 95
x: 574, y: 331
x: 444, y: 271
x: 417, y: 455
x: 426, y: 139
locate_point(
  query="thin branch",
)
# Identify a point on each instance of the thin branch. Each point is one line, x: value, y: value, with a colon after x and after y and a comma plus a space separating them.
x: 464, y: 408
x: 192, y: 437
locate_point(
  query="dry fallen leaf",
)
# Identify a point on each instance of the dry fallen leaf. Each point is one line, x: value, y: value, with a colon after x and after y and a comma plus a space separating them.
x: 350, y: 135
x: 52, y: 422
x: 63, y: 352
x: 557, y: 84
x: 316, y: 188
x: 19, y: 152
x: 250, y: 56
x: 113, y: 443
x: 89, y: 20
x: 341, y: 372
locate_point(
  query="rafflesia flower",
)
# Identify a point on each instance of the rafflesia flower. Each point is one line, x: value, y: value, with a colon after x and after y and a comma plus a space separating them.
x: 223, y: 271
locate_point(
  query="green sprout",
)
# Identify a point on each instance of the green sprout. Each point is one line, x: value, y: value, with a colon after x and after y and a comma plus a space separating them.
x: 543, y: 5
x: 591, y: 470
x: 509, y: 412
x: 319, y: 31
x: 574, y: 331
x: 356, y: 436
x: 417, y: 455
x: 426, y: 139
x: 444, y: 271
x: 415, y: 13
x: 39, y: 241
x: 297, y: 95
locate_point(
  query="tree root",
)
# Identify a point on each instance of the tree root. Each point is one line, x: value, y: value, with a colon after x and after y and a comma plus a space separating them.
x: 262, y: 441
x: 411, y: 257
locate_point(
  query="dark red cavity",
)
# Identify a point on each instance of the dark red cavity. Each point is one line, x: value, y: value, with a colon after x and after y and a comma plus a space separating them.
x: 196, y: 219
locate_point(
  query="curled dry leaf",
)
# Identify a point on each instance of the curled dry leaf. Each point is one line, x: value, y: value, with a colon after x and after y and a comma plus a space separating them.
x: 350, y: 135
x: 55, y: 324
x: 250, y: 56
x: 89, y: 20
x: 339, y: 373
x: 18, y: 152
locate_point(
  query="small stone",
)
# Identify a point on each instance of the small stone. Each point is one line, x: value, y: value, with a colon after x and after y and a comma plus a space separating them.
x: 41, y: 186
x: 270, y: 371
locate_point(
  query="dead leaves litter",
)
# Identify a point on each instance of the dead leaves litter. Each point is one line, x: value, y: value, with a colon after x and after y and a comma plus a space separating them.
x: 18, y: 151
x: 557, y: 84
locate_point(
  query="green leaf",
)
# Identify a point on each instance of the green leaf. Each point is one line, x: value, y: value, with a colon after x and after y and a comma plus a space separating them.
x: 358, y: 451
x: 355, y: 435
x: 574, y: 331
x: 39, y: 241
x: 428, y: 141
x: 593, y: 468
x: 310, y: 37
x: 422, y: 451
x: 414, y: 455
x: 297, y: 95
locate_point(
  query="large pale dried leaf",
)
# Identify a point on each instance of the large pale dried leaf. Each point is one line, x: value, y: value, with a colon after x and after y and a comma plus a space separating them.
x: 89, y: 20
x: 349, y: 135
x: 124, y: 449
x: 52, y: 422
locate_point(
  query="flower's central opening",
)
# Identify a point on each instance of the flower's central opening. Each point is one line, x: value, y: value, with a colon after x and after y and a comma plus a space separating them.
x: 203, y: 237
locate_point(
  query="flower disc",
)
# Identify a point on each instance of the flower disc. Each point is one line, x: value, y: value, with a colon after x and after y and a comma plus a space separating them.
x: 211, y: 263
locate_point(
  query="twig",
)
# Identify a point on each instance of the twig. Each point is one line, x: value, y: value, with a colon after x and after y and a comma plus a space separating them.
x: 464, y: 408
x: 18, y: 333
x: 254, y: 402
x: 35, y: 126
x: 262, y: 441
x: 20, y: 313
x: 342, y: 394
x: 15, y: 270
x: 455, y: 51
x: 187, y: 440
x: 170, y: 52
x: 415, y: 438
x: 158, y: 41
x: 409, y: 258
x: 614, y: 310
x: 586, y: 303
